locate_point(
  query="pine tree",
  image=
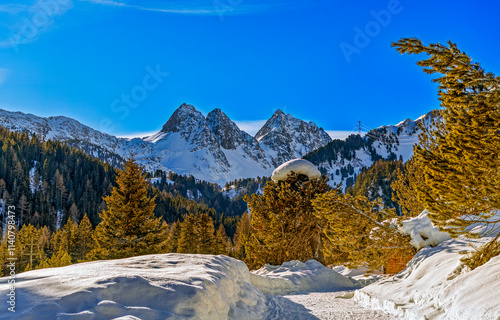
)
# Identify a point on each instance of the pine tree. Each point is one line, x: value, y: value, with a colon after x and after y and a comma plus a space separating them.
x: 405, y: 188
x: 60, y: 259
x: 173, y: 237
x: 128, y: 226
x: 221, y: 241
x: 188, y: 239
x: 242, y: 236
x: 83, y: 239
x: 27, y: 249
x: 205, y: 234
x: 283, y: 225
x: 459, y: 154
x: 359, y: 232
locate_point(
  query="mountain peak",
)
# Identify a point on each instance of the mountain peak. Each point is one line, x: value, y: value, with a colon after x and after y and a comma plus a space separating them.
x: 182, y: 117
x: 278, y: 113
x: 225, y: 130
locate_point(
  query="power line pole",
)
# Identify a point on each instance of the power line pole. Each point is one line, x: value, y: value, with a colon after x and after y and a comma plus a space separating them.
x: 358, y: 126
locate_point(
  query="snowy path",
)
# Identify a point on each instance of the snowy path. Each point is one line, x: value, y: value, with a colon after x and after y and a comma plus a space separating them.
x: 320, y: 305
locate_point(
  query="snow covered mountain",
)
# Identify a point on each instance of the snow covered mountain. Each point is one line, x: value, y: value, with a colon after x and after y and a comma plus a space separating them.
x: 342, y: 160
x: 210, y: 148
x: 286, y: 137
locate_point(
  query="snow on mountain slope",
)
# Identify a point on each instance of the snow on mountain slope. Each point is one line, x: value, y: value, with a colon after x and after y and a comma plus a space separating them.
x: 287, y: 138
x: 57, y: 128
x: 210, y: 148
x: 214, y: 149
x: 342, y: 160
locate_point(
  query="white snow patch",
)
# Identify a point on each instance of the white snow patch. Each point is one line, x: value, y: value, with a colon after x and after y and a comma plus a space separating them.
x: 423, y: 233
x: 167, y: 286
x: 436, y: 285
x: 299, y: 166
x: 295, y: 276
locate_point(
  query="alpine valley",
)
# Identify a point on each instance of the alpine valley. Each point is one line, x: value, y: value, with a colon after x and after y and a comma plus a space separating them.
x: 214, y: 149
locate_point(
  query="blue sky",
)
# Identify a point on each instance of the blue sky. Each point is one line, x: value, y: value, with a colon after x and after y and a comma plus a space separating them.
x: 123, y: 66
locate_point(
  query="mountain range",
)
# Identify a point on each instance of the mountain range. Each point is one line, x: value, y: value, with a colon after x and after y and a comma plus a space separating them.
x: 214, y: 149
x: 210, y: 148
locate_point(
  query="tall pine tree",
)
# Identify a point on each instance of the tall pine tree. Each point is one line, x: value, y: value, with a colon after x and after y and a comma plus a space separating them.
x: 128, y: 226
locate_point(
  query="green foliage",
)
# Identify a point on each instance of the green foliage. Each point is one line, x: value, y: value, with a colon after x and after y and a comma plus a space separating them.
x: 188, y: 237
x: 174, y: 188
x: 63, y: 176
x: 205, y: 233
x: 283, y: 226
x: 359, y: 232
x: 404, y: 188
x: 221, y: 241
x: 375, y: 182
x: 242, y: 236
x: 458, y: 155
x: 128, y: 226
x: 83, y: 239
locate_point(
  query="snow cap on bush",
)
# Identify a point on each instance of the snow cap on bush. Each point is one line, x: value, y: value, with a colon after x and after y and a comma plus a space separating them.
x: 299, y: 166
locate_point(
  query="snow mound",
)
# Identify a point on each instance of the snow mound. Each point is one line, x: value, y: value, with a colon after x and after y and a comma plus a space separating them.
x: 299, y: 166
x: 295, y: 276
x: 167, y: 286
x: 435, y: 285
x: 423, y: 233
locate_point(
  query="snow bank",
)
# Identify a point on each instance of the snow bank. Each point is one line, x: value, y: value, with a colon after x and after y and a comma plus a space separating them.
x: 423, y: 233
x: 295, y: 276
x: 299, y: 166
x: 168, y: 286
x: 360, y: 275
x: 435, y: 285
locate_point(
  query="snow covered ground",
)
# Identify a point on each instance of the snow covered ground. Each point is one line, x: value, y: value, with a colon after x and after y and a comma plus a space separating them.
x: 435, y: 285
x: 182, y: 286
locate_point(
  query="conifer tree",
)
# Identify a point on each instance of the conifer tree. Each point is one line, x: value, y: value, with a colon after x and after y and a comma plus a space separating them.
x: 27, y: 249
x: 4, y: 254
x: 188, y: 241
x: 405, y: 188
x: 242, y: 236
x: 459, y: 154
x: 60, y: 259
x: 359, y: 232
x: 283, y: 225
x: 83, y: 239
x: 173, y: 237
x: 221, y: 240
x: 205, y: 234
x: 128, y: 226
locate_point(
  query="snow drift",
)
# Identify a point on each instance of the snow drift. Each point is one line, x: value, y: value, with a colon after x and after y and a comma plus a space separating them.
x: 295, y: 276
x: 169, y: 286
x: 166, y: 286
x: 422, y: 232
x: 435, y: 285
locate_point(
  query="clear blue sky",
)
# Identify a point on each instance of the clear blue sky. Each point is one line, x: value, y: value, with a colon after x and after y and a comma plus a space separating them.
x: 248, y: 58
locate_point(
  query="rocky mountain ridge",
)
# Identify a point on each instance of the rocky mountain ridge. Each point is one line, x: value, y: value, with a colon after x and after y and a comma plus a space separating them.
x: 210, y: 148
